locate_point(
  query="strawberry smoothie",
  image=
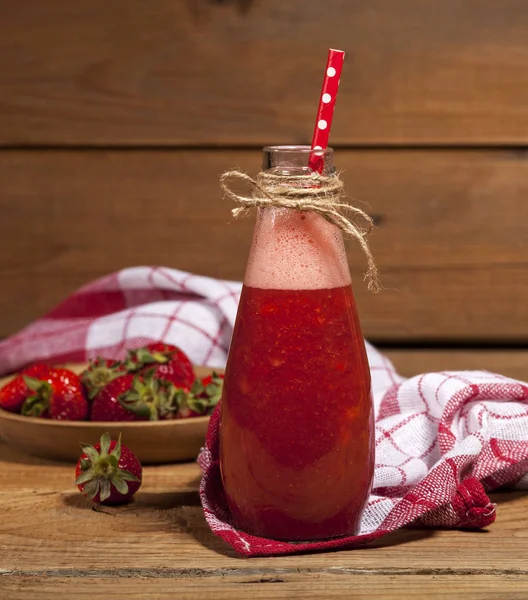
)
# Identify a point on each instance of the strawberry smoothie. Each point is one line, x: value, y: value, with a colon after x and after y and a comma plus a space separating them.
x: 297, y: 452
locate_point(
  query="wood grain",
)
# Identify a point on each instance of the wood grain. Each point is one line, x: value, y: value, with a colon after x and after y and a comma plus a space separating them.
x: 228, y: 586
x: 248, y: 72
x: 450, y: 239
x: 51, y: 538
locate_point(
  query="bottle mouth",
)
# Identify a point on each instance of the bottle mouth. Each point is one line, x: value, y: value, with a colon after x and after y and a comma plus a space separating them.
x: 301, y: 149
x: 295, y: 157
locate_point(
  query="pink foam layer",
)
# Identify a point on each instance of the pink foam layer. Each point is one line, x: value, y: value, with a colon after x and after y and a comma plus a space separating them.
x: 296, y: 251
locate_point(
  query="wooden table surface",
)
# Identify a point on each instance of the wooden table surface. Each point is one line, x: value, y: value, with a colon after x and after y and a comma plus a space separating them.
x: 53, y: 544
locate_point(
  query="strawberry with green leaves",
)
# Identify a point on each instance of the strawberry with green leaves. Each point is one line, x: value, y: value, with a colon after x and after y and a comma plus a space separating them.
x: 210, y: 388
x: 200, y: 399
x: 167, y: 361
x: 99, y: 373
x: 134, y: 397
x: 14, y: 393
x: 109, y: 472
x: 186, y: 404
x: 56, y: 395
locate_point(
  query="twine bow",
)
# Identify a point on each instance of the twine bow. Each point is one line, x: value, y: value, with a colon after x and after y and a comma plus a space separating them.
x: 312, y: 192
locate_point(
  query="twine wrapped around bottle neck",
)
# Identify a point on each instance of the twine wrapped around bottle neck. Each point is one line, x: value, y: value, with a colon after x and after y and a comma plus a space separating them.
x: 311, y: 192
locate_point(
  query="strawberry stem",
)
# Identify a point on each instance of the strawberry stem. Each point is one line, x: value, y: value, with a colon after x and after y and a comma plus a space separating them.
x: 137, y: 359
x: 38, y: 403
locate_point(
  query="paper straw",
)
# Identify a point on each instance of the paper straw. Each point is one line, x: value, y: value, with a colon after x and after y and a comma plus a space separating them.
x: 325, y: 112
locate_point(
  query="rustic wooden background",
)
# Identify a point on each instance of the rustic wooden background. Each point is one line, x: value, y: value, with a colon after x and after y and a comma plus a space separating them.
x: 117, y: 117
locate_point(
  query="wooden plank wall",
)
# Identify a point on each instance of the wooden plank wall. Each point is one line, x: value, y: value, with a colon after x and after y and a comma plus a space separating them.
x: 117, y: 117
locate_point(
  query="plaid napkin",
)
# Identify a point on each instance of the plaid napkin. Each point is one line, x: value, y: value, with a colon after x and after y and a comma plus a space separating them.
x: 129, y: 309
x: 442, y: 439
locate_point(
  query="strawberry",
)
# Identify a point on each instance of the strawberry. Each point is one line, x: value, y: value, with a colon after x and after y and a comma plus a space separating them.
x: 13, y: 394
x: 187, y: 405
x: 100, y: 372
x: 56, y: 395
x: 133, y: 397
x: 203, y: 396
x: 108, y: 472
x: 210, y: 387
x: 166, y: 361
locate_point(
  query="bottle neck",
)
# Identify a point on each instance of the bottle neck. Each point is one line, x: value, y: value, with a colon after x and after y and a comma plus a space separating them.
x: 289, y: 162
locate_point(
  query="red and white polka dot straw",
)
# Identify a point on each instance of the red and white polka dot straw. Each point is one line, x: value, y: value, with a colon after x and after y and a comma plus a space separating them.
x: 325, y: 112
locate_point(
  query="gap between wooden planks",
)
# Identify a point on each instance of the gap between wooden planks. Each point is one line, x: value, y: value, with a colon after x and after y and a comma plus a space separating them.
x: 512, y: 363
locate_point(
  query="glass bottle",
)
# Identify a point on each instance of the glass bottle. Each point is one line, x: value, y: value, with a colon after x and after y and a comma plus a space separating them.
x: 297, y: 428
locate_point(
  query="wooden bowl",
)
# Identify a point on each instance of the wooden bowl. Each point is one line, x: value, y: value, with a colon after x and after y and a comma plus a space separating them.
x: 152, y: 441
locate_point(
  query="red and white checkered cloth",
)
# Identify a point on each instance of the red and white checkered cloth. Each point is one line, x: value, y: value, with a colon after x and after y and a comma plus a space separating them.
x: 442, y: 439
x: 129, y: 309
